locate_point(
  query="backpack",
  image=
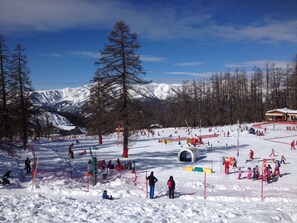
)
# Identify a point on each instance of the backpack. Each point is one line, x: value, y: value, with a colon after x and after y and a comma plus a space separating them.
x: 169, y: 183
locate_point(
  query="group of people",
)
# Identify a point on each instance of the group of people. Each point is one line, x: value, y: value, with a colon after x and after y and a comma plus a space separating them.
x: 170, y: 184
x: 229, y: 162
x: 267, y: 173
x: 119, y: 166
x: 151, y: 181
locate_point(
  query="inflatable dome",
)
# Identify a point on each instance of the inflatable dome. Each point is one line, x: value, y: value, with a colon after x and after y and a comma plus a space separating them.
x: 188, y: 155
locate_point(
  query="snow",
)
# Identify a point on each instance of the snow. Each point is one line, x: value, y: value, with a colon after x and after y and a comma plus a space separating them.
x: 56, y: 197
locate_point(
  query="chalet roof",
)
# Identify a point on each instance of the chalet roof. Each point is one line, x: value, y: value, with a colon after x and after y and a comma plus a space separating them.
x: 283, y: 110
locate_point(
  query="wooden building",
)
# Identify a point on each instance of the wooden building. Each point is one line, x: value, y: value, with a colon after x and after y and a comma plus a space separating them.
x: 281, y: 114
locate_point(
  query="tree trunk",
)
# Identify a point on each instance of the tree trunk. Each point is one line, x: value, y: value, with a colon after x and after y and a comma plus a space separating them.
x: 125, y: 143
x: 100, y: 139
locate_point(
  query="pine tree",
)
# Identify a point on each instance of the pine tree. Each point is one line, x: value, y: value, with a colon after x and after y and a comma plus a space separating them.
x: 21, y: 91
x: 4, y: 84
x: 119, y: 69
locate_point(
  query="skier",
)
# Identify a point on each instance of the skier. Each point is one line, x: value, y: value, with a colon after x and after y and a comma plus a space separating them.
x: 234, y: 162
x: 249, y: 173
x: 276, y: 169
x: 272, y: 154
x: 5, y: 179
x: 171, y: 187
x: 264, y: 175
x: 90, y: 167
x: 106, y: 196
x: 283, y: 159
x: 268, y: 175
x: 152, y: 180
x: 239, y: 173
x: 133, y: 167
x: 119, y: 166
x: 28, y: 165
x: 226, y: 163
x: 293, y: 145
x: 70, y: 152
x: 251, y: 155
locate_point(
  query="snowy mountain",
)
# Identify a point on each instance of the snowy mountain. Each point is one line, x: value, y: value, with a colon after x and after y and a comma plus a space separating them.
x: 72, y: 99
x: 67, y: 99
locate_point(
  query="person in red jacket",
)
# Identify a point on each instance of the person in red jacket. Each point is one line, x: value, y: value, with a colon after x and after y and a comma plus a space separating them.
x: 276, y: 169
x: 293, y: 145
x: 226, y: 163
x: 251, y: 155
x: 171, y: 187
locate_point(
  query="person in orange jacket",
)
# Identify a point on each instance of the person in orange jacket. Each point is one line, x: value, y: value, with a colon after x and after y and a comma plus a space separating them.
x: 227, y: 164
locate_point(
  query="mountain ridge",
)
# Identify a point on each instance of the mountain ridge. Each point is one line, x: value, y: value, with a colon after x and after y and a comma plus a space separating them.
x: 72, y: 99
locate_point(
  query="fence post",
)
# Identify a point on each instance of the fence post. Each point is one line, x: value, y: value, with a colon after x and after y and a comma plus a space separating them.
x: 88, y: 182
x: 262, y: 191
x: 146, y: 184
x: 204, y: 185
x: 34, y: 172
x: 70, y: 168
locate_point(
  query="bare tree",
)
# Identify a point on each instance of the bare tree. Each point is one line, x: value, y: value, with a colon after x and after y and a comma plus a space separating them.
x: 21, y: 90
x: 4, y: 83
x: 120, y: 69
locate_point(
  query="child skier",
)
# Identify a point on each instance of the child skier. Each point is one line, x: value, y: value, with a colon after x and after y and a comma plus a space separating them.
x: 251, y: 155
x: 133, y: 167
x: 293, y: 145
x: 276, y: 169
x: 171, y: 187
x: 272, y: 154
x: 249, y: 173
x: 283, y: 159
x: 106, y: 196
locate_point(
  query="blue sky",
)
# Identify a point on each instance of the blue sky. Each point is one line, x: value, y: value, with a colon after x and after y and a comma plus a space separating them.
x: 181, y: 40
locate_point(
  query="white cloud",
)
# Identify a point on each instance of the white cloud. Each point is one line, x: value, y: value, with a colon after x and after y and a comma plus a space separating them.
x: 88, y: 54
x: 54, y: 15
x: 193, y: 63
x: 195, y: 74
x: 147, y: 58
x: 154, y: 20
x: 268, y: 31
x: 259, y: 63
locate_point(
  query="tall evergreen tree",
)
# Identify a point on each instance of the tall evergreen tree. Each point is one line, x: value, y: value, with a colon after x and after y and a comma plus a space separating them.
x: 119, y: 68
x: 4, y: 84
x: 21, y: 90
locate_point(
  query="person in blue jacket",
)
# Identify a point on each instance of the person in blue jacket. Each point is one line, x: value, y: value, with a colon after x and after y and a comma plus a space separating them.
x: 152, y: 180
x: 106, y: 196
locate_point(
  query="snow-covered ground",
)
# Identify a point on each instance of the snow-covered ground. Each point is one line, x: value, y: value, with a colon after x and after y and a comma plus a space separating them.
x: 55, y: 196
